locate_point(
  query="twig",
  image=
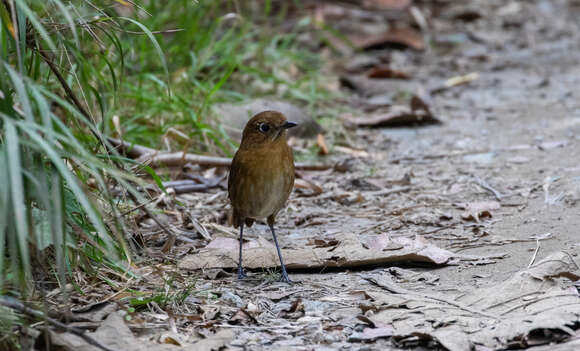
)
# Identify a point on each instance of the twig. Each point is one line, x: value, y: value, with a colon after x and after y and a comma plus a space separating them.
x: 129, y: 149
x: 482, y: 183
x: 510, y: 300
x: 18, y: 306
x: 432, y: 231
x: 188, y: 185
x: 156, y: 158
x: 384, y: 192
x: 139, y: 206
x: 177, y: 159
x: 538, y: 299
x: 377, y: 225
x: 535, y: 253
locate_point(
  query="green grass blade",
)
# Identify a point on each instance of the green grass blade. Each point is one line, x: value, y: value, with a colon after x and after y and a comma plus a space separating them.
x: 72, y: 182
x: 71, y: 23
x: 17, y: 191
x: 20, y: 88
x: 156, y: 46
x: 4, y: 205
x: 21, y: 4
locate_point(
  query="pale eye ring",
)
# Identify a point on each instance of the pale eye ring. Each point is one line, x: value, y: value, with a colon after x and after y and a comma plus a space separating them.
x: 263, y: 127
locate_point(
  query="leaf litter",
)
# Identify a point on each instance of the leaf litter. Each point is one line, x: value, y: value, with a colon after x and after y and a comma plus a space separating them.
x: 349, y: 229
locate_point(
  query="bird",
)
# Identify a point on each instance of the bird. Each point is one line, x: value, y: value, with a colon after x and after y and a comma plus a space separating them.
x: 261, y: 176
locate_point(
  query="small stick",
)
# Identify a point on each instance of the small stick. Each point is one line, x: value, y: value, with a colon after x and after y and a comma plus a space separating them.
x: 482, y: 183
x: 18, y: 306
x: 177, y: 159
x: 131, y: 150
x: 535, y: 253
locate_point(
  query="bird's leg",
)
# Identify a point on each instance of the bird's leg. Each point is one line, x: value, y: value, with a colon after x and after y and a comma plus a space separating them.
x: 284, y: 277
x: 241, y: 273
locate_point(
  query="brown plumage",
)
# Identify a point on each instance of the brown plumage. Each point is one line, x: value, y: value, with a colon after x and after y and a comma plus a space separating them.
x: 261, y: 175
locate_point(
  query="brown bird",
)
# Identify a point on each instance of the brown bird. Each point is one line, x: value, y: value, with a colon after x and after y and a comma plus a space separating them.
x: 261, y: 176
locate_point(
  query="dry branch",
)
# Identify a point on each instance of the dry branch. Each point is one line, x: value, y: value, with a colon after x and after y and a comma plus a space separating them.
x: 155, y: 158
x: 20, y: 307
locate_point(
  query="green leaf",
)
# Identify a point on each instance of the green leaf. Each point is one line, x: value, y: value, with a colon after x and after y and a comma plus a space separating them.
x: 21, y: 5
x: 156, y: 46
x: 17, y: 191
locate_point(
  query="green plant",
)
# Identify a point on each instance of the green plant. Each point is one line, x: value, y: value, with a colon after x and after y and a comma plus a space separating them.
x: 73, y: 73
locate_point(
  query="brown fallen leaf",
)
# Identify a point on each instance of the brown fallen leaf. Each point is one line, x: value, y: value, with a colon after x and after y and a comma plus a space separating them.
x: 528, y: 308
x: 321, y: 142
x: 319, y: 243
x: 217, y: 341
x: 210, y: 312
x: 295, y: 311
x: 386, y: 72
x: 350, y: 252
x: 379, y: 91
x: 404, y: 36
x: 114, y: 334
x: 371, y: 334
x: 476, y: 210
x: 278, y: 295
x: 302, y: 184
x: 242, y: 317
x: 420, y: 106
x: 386, y: 4
x: 398, y: 116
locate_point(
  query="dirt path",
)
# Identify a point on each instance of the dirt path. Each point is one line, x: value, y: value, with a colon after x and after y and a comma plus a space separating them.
x: 507, y: 152
x: 509, y: 142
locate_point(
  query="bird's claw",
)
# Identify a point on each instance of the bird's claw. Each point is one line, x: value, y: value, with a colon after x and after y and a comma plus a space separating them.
x: 285, y: 278
x: 241, y: 273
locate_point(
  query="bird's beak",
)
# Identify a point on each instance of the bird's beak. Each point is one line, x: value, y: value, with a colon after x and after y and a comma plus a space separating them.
x: 288, y: 125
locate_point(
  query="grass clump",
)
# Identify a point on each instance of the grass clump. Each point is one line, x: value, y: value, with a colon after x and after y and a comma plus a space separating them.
x: 74, y: 73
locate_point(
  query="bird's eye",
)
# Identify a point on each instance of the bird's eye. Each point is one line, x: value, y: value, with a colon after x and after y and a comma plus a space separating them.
x: 263, y: 127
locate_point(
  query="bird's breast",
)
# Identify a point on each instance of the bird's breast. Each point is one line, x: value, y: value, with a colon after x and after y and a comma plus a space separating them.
x: 260, y: 182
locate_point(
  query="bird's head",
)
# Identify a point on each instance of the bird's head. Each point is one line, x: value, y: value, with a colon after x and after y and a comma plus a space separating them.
x: 266, y: 127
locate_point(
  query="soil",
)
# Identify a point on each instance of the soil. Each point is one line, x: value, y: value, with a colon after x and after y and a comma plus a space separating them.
x: 511, y: 136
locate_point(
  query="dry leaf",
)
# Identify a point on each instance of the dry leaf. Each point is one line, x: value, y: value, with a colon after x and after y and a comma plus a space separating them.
x: 530, y: 308
x: 214, y: 342
x: 386, y: 72
x: 349, y: 253
x: 242, y: 317
x: 386, y: 4
x: 398, y: 116
x: 321, y: 142
x: 303, y: 184
x: 399, y: 35
x: 319, y: 243
x: 371, y: 334
x: 476, y: 210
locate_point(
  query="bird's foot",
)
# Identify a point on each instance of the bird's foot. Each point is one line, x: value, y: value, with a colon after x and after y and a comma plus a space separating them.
x: 285, y: 278
x: 241, y: 273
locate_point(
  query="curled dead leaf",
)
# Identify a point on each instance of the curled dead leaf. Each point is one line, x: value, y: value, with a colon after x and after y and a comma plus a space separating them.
x: 398, y: 116
x: 386, y: 4
x: 404, y: 36
x: 303, y: 184
x: 386, y: 73
x: 371, y: 334
x: 476, y: 210
x: 321, y: 142
x: 242, y: 317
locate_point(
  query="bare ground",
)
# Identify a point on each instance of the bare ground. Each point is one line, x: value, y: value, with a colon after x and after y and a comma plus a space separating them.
x: 509, y: 142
